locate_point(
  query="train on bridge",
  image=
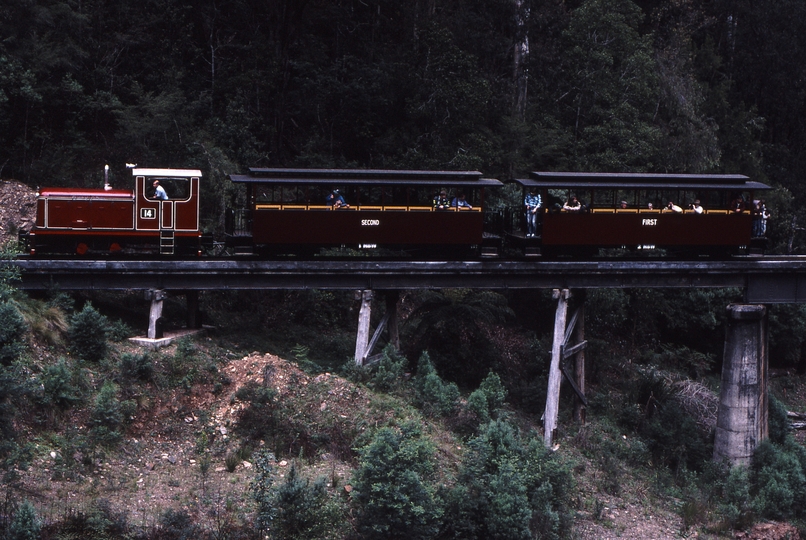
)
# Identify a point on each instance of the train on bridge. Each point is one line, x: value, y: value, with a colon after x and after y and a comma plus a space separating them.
x: 454, y: 215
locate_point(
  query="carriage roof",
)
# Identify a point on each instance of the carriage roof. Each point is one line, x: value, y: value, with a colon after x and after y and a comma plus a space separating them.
x: 576, y: 180
x: 364, y: 176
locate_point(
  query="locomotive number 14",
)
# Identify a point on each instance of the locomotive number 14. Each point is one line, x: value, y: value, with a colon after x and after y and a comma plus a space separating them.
x: 148, y: 213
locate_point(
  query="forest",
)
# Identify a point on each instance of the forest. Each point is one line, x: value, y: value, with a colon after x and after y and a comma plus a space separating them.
x: 265, y: 428
x: 501, y: 86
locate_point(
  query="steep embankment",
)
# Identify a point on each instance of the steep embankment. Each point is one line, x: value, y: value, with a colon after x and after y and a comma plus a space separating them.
x: 17, y: 209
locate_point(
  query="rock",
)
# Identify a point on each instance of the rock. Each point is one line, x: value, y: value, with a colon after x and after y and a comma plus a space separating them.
x: 172, y: 460
x: 283, y: 463
x: 246, y: 465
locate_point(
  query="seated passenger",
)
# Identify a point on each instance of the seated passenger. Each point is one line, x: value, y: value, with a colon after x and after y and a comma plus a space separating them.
x: 697, y: 207
x: 623, y: 205
x: 672, y: 207
x: 460, y: 202
x: 737, y: 204
x: 441, y: 201
x: 572, y: 205
x: 336, y: 200
x: 650, y: 206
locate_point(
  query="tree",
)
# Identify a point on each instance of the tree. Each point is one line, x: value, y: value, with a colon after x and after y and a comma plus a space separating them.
x: 87, y: 334
x: 611, y: 92
x: 392, y: 491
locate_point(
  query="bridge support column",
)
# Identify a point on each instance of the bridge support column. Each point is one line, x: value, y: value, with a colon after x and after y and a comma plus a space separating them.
x: 154, y: 324
x: 362, y: 336
x: 555, y: 375
x: 743, y: 407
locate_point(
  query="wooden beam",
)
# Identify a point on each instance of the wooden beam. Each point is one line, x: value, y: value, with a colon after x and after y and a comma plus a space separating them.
x: 580, y: 405
x: 574, y: 349
x: 362, y: 335
x: 573, y: 384
x: 555, y: 375
x: 375, y: 336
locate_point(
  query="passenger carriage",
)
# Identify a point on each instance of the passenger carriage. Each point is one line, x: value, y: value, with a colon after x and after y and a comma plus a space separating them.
x: 387, y: 212
x: 644, y: 223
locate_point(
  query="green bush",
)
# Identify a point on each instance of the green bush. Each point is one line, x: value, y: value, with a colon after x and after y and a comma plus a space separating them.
x: 434, y: 396
x: 62, y: 387
x: 303, y: 510
x: 778, y: 480
x: 88, y: 334
x: 393, y: 490
x: 509, y: 486
x: 109, y: 415
x: 137, y: 366
x: 261, y: 491
x: 25, y: 525
x: 778, y: 421
x: 389, y: 374
x: 12, y: 332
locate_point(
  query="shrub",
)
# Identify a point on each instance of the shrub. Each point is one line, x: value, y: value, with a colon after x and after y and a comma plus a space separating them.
x: 109, y: 415
x: 509, y: 486
x: 261, y: 491
x: 87, y: 334
x: 304, y: 510
x: 392, y: 486
x: 778, y: 480
x: 778, y: 421
x: 61, y: 386
x: 136, y: 366
x: 177, y: 524
x: 434, y: 396
x: 12, y: 331
x: 26, y: 525
x: 389, y: 374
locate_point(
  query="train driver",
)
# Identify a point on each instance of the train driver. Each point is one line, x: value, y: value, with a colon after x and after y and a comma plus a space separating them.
x: 159, y: 191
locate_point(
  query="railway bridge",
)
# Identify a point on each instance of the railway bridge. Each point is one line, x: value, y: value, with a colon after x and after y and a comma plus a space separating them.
x: 742, y: 417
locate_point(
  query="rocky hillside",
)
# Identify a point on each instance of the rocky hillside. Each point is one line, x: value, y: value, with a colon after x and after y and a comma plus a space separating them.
x: 17, y: 209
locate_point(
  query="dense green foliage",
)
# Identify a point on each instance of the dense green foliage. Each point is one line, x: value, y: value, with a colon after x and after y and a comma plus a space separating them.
x: 87, y: 334
x: 504, y: 87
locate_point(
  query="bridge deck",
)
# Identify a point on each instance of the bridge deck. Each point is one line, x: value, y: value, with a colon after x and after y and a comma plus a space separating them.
x: 765, y: 280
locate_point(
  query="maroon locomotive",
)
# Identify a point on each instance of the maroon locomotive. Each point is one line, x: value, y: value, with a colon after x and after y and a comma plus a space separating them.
x: 160, y: 215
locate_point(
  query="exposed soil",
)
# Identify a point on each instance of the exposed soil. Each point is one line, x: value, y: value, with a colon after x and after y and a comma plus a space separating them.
x: 18, y: 209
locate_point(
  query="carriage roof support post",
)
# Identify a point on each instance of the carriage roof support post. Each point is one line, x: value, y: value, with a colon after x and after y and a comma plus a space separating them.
x: 742, y: 418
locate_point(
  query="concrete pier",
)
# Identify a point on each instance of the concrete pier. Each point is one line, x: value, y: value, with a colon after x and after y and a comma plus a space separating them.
x: 743, y: 413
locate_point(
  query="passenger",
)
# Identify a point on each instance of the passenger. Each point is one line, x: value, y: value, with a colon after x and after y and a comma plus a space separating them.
x: 532, y: 203
x: 572, y: 205
x: 623, y: 205
x: 460, y: 202
x: 697, y: 207
x: 159, y: 191
x: 650, y: 206
x: 441, y: 201
x: 760, y: 217
x: 336, y: 200
x: 737, y: 204
x: 672, y: 207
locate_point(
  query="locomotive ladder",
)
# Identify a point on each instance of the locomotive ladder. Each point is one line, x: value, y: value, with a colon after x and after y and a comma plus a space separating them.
x: 167, y: 242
